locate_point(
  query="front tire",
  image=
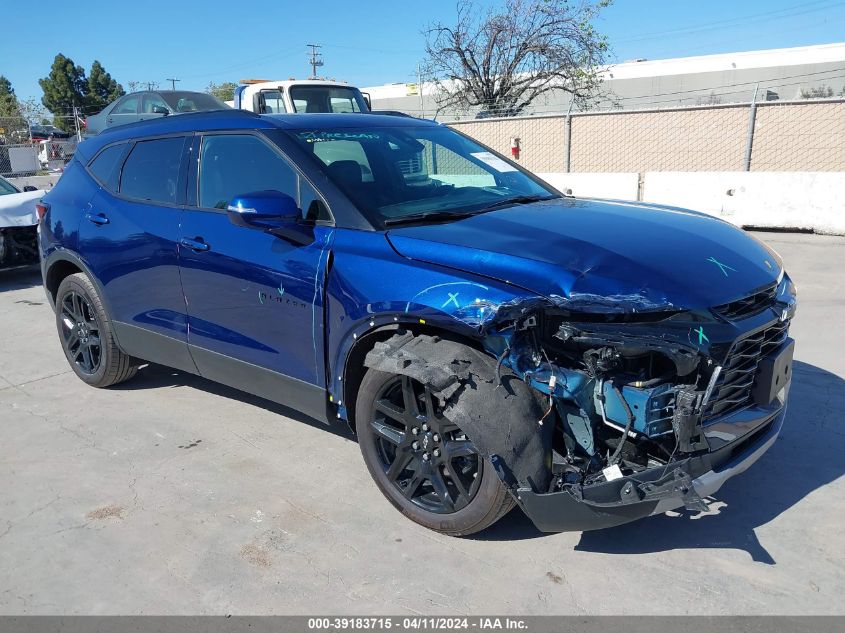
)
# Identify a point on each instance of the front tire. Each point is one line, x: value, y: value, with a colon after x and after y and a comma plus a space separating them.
x: 86, y: 334
x: 423, y: 463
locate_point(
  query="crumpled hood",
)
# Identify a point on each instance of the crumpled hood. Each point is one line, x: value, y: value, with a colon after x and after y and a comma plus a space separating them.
x: 18, y: 209
x: 601, y: 255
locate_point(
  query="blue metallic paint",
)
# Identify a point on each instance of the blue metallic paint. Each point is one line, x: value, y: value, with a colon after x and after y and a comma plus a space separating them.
x: 254, y: 296
x: 598, y: 255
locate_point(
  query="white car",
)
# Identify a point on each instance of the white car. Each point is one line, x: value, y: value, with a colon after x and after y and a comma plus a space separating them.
x: 18, y: 225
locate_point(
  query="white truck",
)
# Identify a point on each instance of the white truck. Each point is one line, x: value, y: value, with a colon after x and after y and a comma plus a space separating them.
x: 298, y: 96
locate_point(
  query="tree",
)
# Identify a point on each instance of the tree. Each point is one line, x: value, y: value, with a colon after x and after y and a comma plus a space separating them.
x: 102, y: 89
x: 64, y: 88
x: 501, y: 59
x: 32, y: 110
x: 818, y: 92
x: 8, y: 100
x: 224, y: 91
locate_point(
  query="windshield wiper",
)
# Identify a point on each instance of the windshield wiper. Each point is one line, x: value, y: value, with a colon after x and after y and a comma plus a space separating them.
x: 516, y: 200
x: 428, y: 216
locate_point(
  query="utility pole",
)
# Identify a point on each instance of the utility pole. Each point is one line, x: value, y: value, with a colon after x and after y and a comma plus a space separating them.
x: 420, y: 89
x: 315, y: 59
x: 76, y: 123
x: 173, y: 82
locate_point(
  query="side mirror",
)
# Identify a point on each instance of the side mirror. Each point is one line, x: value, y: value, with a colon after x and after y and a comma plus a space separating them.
x: 271, y: 211
x: 160, y: 110
x: 30, y: 188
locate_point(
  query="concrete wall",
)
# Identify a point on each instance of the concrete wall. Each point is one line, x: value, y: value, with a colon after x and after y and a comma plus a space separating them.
x: 790, y: 200
x: 774, y: 200
x: 615, y: 186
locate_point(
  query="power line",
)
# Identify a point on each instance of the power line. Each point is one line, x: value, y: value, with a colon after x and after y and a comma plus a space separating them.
x: 256, y: 60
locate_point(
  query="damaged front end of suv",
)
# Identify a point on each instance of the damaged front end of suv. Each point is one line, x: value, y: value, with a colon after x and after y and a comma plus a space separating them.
x: 639, y: 406
x: 651, y: 411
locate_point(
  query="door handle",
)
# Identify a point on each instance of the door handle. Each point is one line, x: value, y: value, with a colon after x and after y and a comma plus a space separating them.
x: 97, y: 218
x: 197, y: 245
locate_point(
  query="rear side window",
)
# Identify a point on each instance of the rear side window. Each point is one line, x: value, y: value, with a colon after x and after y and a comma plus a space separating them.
x: 151, y: 172
x: 106, y: 166
x: 127, y: 106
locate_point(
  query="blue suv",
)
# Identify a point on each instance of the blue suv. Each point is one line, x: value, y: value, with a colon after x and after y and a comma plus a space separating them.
x: 492, y: 342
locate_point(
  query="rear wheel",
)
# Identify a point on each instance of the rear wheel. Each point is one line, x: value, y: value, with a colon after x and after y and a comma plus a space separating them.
x: 85, y: 332
x: 422, y: 462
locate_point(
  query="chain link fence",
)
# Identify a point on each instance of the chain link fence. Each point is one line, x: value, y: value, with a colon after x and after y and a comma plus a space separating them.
x: 764, y: 136
x: 27, y: 149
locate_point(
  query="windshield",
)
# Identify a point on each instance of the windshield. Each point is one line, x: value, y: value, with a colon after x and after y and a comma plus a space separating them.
x: 7, y: 187
x: 327, y: 99
x: 192, y: 101
x: 399, y: 173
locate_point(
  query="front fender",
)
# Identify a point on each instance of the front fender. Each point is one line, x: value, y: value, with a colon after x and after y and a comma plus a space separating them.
x: 370, y: 286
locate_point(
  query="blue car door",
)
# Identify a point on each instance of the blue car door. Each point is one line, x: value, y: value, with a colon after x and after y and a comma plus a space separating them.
x: 254, y: 300
x: 128, y: 237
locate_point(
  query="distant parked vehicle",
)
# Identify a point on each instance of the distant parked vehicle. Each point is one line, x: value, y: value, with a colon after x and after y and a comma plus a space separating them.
x: 18, y: 225
x: 298, y: 96
x: 140, y: 106
x: 46, y: 132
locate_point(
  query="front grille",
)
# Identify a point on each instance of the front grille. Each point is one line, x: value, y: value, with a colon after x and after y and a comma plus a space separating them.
x: 732, y: 391
x: 747, y: 306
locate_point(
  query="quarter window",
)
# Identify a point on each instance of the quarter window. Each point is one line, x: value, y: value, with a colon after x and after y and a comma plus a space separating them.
x: 235, y: 164
x: 106, y: 167
x: 151, y: 101
x: 152, y: 170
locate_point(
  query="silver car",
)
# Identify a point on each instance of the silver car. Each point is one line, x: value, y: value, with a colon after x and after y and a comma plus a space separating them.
x: 140, y: 106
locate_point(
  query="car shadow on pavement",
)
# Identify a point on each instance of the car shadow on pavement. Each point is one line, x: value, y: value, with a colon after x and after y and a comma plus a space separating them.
x: 806, y: 457
x: 20, y: 278
x: 157, y: 376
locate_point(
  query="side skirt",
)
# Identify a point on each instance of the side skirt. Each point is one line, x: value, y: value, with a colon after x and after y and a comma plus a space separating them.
x: 264, y: 383
x: 154, y: 347
x: 258, y: 381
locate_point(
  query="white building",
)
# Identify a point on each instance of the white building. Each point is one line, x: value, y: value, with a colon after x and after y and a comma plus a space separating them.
x: 783, y: 73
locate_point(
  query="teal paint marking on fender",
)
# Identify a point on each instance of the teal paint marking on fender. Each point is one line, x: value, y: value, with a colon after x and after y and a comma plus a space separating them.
x: 453, y: 298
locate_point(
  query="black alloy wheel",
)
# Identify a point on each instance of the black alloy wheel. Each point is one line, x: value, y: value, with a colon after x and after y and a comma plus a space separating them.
x: 427, y: 458
x: 80, y: 331
x: 87, y: 334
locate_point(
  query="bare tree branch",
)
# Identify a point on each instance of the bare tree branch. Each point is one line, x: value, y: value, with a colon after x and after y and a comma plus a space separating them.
x: 501, y: 60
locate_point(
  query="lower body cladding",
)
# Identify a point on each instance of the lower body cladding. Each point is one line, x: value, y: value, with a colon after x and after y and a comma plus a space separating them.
x: 589, y: 428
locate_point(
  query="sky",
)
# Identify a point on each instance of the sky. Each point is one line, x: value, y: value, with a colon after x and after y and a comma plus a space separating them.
x: 366, y: 43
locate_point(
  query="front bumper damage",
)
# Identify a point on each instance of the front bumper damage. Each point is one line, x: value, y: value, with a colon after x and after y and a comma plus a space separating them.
x: 655, y: 491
